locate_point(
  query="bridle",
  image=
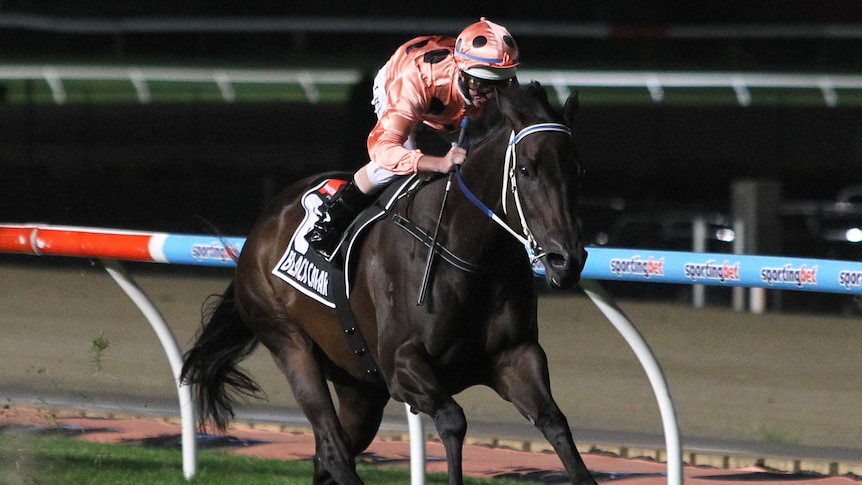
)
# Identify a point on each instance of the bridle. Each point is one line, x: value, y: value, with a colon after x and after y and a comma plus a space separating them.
x: 525, y: 237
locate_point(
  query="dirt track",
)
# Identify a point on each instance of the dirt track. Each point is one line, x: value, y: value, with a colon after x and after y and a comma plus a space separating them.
x: 774, y: 378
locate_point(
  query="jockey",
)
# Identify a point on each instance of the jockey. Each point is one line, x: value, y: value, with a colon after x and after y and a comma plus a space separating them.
x: 435, y: 80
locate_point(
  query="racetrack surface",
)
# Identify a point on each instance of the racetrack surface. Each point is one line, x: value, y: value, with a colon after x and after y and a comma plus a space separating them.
x: 777, y: 389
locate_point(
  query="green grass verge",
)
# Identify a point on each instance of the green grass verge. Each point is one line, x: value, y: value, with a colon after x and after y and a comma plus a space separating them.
x: 30, y: 459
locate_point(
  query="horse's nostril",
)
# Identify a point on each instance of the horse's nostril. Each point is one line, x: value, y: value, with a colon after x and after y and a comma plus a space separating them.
x: 557, y: 261
x: 564, y: 271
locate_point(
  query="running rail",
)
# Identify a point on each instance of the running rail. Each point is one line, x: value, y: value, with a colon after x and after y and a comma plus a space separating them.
x: 562, y: 81
x: 109, y: 246
x: 644, y: 265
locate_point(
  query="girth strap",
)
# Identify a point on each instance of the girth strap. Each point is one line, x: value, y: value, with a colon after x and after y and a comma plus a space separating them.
x: 351, y: 331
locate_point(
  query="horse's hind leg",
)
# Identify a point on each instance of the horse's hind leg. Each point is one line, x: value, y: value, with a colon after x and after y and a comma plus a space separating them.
x: 521, y: 376
x: 360, y: 410
x: 293, y: 353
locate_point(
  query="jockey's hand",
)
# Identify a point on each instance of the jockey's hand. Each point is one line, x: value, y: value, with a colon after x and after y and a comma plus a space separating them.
x: 455, y: 156
x: 445, y: 164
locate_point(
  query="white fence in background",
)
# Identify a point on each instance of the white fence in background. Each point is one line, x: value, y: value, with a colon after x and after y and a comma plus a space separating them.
x: 562, y: 81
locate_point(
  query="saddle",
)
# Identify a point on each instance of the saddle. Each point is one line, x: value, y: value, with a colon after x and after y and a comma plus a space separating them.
x: 310, y: 273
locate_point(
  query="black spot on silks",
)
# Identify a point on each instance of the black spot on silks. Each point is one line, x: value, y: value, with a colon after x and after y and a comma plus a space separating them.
x: 421, y: 43
x: 480, y: 41
x: 436, y: 107
x: 435, y: 56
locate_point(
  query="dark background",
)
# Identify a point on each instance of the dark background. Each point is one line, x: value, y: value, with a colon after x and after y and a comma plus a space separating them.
x: 618, y: 11
x: 164, y: 166
x: 639, y: 39
x: 172, y: 166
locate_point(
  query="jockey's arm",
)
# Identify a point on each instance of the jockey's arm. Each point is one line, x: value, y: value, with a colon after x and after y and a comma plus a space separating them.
x: 386, y: 147
x: 444, y: 164
x: 397, y: 122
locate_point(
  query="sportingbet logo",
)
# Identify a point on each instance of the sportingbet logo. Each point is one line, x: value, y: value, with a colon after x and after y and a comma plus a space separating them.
x: 712, y: 271
x: 636, y: 266
x: 850, y: 278
x: 214, y: 250
x: 788, y: 274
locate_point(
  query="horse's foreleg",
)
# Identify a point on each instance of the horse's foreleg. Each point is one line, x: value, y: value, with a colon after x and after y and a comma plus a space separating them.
x: 451, y: 425
x: 334, y: 456
x: 521, y: 376
x: 415, y: 383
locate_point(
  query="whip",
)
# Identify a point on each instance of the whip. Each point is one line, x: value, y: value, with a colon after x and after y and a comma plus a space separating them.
x: 433, y: 249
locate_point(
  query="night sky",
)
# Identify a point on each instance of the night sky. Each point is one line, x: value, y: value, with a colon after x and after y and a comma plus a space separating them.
x: 611, y: 11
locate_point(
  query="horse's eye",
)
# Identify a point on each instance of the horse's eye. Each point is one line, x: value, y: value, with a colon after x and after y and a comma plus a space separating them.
x: 527, y: 169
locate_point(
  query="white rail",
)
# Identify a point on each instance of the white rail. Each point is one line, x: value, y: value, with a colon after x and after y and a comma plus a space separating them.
x: 657, y: 380
x: 175, y: 358
x: 562, y: 81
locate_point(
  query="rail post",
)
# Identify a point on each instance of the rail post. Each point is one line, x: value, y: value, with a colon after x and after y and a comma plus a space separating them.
x: 654, y: 373
x: 175, y: 357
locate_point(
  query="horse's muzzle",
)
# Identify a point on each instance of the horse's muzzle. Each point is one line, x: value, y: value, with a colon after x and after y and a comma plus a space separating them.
x: 564, y: 271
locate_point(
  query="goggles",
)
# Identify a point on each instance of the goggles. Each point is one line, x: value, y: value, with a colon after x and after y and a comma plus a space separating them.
x: 487, y: 85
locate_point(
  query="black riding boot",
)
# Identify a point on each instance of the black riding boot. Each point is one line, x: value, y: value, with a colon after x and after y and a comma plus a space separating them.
x: 338, y: 213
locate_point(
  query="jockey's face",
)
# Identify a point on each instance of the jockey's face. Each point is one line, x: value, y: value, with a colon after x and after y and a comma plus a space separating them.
x: 480, y: 96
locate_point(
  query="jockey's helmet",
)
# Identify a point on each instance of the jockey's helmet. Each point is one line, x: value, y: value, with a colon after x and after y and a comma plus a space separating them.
x: 486, y: 51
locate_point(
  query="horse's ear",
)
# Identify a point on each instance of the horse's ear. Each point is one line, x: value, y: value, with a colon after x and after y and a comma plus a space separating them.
x: 571, y: 109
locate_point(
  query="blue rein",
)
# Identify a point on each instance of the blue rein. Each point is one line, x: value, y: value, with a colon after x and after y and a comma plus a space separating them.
x: 472, y: 198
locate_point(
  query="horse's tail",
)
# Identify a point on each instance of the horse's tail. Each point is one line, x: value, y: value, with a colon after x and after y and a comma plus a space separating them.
x: 211, y: 365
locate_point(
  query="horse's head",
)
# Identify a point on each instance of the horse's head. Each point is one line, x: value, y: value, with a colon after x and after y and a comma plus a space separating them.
x: 543, y: 177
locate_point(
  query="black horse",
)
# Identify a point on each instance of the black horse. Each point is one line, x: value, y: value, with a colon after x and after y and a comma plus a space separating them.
x: 478, y: 325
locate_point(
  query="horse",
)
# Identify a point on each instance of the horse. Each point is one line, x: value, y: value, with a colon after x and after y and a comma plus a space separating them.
x: 478, y: 325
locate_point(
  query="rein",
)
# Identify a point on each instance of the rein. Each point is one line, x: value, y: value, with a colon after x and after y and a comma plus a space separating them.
x: 510, y: 183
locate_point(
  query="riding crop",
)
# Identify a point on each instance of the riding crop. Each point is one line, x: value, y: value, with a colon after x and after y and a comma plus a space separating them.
x: 433, y: 249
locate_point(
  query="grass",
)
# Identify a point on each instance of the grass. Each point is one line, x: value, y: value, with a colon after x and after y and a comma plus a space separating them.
x: 97, y: 349
x: 768, y: 435
x: 31, y: 459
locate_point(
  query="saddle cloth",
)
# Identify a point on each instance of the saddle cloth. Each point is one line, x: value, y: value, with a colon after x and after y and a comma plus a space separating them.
x: 310, y: 273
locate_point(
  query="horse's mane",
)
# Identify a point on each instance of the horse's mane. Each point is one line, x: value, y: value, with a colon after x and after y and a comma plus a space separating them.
x: 530, y: 100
